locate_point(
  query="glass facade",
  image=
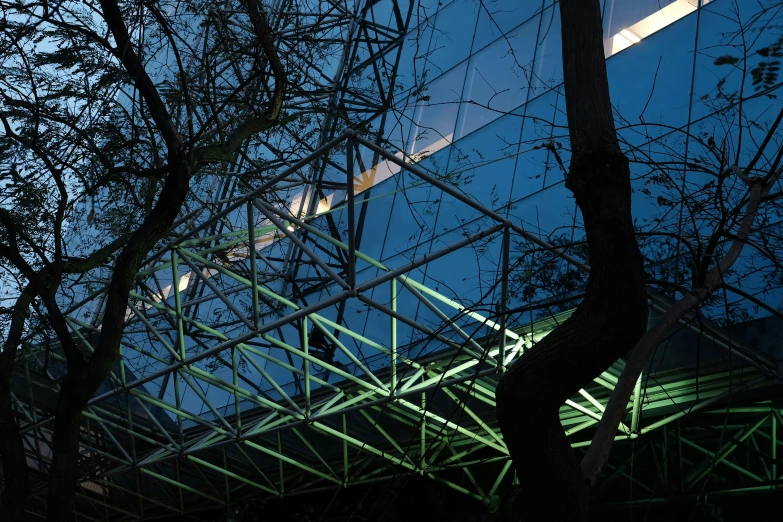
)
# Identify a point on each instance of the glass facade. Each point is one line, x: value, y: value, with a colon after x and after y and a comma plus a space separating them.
x: 482, y: 101
x: 479, y: 104
x: 231, y: 343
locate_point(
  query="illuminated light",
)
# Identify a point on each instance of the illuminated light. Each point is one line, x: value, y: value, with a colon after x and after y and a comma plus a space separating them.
x: 619, y: 42
x: 92, y: 486
x: 666, y: 16
x: 377, y: 174
x: 324, y: 204
x: 415, y: 157
x: 183, y: 282
x: 652, y: 24
x: 628, y: 35
x: 299, y: 204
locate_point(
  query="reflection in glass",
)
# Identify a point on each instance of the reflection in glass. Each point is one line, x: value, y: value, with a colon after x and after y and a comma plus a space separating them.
x: 627, y: 23
x: 452, y: 36
x: 548, y: 69
x: 498, y: 79
x: 497, y: 17
x: 436, y: 113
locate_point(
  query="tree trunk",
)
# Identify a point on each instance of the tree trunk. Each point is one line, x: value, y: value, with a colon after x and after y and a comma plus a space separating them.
x: 597, y: 455
x: 15, y: 473
x: 63, y: 473
x: 613, y: 314
x: 83, y: 380
x: 79, y: 385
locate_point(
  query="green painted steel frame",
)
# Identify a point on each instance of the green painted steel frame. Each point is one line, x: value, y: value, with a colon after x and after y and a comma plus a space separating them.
x: 335, y: 427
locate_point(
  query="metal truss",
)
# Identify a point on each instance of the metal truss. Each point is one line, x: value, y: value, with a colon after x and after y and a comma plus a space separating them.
x: 237, y: 383
x: 704, y: 460
x: 266, y: 355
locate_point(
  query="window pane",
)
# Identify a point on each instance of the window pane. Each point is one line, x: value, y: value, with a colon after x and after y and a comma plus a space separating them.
x: 436, y: 113
x: 413, y: 63
x: 452, y: 36
x: 498, y: 78
x: 652, y: 84
x: 534, y: 159
x: 497, y: 17
x: 628, y: 22
x: 548, y: 70
x: 717, y: 83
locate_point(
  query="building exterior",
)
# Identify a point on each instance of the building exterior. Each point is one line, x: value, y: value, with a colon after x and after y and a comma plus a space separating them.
x: 354, y: 332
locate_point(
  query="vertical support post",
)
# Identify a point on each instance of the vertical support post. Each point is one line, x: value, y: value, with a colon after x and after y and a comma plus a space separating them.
x: 502, y: 309
x: 345, y: 452
x: 122, y: 367
x: 251, y: 247
x: 132, y: 440
x: 774, y: 449
x: 178, y: 404
x: 179, y: 490
x: 225, y: 478
x: 105, y: 503
x: 351, y: 211
x: 637, y: 402
x: 666, y: 456
x: 306, y: 349
x: 177, y: 303
x: 422, y: 462
x: 138, y: 491
x: 235, y: 379
x: 280, y: 464
x: 393, y: 340
x: 679, y: 453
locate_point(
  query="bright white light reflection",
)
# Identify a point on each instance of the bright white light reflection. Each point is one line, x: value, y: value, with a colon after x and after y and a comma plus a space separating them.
x: 652, y: 24
x: 386, y: 169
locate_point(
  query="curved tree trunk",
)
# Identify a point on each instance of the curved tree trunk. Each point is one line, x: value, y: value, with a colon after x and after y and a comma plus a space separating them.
x: 79, y: 386
x: 12, y: 453
x: 84, y: 378
x: 15, y: 474
x: 613, y: 315
x: 63, y: 473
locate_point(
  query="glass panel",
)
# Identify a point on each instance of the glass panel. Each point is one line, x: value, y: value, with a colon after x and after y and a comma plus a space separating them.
x: 533, y: 160
x: 412, y: 65
x: 497, y: 17
x: 411, y: 216
x: 376, y: 220
x: 452, y: 36
x: 652, y: 84
x: 481, y: 167
x: 467, y: 275
x: 498, y: 78
x: 627, y: 23
x: 436, y: 113
x: 725, y: 57
x: 381, y: 13
x: 548, y: 70
x: 547, y: 213
x: 427, y: 8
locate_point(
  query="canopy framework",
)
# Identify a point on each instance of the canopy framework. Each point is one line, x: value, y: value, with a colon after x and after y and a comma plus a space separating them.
x: 294, y: 398
x: 246, y: 373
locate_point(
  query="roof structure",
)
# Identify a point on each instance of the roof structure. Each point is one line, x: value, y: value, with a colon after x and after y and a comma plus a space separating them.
x: 266, y: 355
x: 282, y: 397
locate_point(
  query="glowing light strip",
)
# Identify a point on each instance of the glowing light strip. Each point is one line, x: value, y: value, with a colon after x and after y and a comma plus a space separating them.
x: 652, y: 24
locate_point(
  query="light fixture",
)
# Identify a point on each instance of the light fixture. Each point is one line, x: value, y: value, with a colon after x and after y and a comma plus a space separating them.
x: 630, y: 36
x: 652, y: 24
